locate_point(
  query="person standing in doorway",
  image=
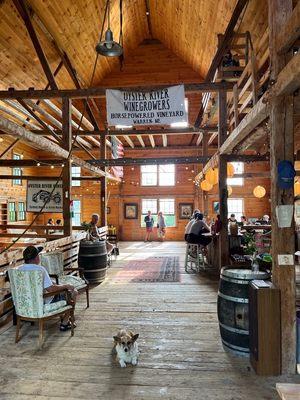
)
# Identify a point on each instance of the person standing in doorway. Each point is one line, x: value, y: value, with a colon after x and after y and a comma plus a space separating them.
x: 149, y: 221
x: 161, y: 226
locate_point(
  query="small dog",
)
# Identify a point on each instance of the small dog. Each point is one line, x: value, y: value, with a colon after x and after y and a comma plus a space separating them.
x: 126, y: 348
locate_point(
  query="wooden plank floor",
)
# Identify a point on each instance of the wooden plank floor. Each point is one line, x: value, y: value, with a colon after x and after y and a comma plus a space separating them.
x: 181, y: 352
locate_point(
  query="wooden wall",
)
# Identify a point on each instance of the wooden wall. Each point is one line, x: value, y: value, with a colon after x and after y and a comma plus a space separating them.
x: 10, y: 192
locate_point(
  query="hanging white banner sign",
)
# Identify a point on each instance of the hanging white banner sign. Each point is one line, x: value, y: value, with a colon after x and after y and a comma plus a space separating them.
x: 39, y: 192
x: 160, y: 107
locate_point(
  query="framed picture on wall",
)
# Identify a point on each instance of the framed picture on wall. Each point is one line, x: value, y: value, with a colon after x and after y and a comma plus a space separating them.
x: 216, y: 207
x: 130, y: 210
x: 185, y: 210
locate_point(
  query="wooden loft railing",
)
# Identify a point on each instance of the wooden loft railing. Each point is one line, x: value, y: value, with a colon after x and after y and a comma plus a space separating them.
x: 251, y: 84
x: 240, y: 46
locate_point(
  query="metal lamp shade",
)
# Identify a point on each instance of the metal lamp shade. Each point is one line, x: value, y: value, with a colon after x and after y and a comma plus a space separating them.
x: 109, y: 48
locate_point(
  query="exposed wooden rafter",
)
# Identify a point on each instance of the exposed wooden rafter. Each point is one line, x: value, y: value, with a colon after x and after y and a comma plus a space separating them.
x: 99, y: 92
x: 43, y: 143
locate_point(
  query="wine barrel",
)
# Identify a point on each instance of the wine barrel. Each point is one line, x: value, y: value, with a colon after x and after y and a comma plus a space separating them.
x: 92, y: 257
x: 233, y: 308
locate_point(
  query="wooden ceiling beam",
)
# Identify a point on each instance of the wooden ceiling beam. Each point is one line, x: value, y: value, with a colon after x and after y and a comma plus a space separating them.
x: 22, y: 9
x: 10, y: 147
x: 49, y: 130
x: 46, y: 145
x: 54, y: 121
x: 99, y: 92
x: 226, y: 38
x: 165, y: 140
x: 129, y: 141
x: 148, y: 161
x: 140, y: 139
x: 136, y: 132
x: 152, y: 141
x: 200, y: 138
x: 18, y: 117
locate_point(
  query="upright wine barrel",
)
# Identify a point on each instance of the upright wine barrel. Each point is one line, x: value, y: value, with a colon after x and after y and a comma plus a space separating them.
x: 233, y: 308
x: 92, y: 257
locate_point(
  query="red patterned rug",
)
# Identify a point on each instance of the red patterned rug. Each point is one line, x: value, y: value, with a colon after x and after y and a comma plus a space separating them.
x: 152, y: 269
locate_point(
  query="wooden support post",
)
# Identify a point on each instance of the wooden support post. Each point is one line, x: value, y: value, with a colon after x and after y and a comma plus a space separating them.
x: 103, y: 216
x: 67, y: 169
x: 282, y: 148
x: 204, y: 154
x: 223, y: 194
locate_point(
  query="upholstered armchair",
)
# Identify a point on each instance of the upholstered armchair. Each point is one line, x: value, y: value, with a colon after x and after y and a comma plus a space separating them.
x: 54, y: 264
x: 28, y: 297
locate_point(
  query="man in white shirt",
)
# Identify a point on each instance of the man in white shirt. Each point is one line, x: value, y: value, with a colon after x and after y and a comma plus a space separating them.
x: 32, y: 263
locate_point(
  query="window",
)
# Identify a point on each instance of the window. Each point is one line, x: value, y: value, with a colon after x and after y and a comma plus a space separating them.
x: 12, y: 217
x: 235, y: 206
x: 238, y: 169
x: 21, y: 211
x: 162, y: 175
x: 16, y: 170
x: 149, y: 175
x: 166, y: 174
x: 76, y: 171
x: 76, y: 219
x: 167, y: 206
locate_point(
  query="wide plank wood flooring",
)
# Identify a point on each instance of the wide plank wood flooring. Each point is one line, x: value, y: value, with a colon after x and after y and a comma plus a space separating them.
x: 181, y: 352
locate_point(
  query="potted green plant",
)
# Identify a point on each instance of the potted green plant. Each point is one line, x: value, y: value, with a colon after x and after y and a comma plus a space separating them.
x: 87, y: 227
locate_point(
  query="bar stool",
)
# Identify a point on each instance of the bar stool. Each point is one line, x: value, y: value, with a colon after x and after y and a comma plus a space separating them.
x: 194, y: 258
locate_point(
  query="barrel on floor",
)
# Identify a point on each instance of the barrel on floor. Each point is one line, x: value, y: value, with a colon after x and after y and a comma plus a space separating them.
x: 233, y: 308
x: 92, y: 258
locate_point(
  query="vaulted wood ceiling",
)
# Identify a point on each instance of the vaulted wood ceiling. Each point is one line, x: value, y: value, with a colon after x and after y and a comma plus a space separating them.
x: 189, y: 28
x: 186, y: 33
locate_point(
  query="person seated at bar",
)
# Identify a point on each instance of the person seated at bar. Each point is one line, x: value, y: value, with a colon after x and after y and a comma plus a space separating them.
x: 32, y: 261
x: 197, y: 229
x: 95, y: 233
x: 232, y: 218
x: 243, y: 221
x: 187, y: 229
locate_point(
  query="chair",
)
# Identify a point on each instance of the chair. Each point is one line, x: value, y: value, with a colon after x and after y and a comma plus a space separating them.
x: 194, y: 258
x: 54, y: 264
x: 28, y: 297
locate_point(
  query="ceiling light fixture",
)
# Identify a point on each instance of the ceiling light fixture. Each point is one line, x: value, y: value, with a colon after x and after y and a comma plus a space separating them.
x: 108, y: 47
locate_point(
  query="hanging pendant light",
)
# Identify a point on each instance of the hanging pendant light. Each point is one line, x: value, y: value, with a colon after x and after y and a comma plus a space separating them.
x: 230, y: 170
x: 206, y: 186
x: 297, y: 188
x: 108, y: 47
x: 212, y: 176
x: 259, y: 192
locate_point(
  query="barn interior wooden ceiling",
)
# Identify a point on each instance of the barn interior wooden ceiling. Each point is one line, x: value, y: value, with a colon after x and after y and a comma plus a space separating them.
x: 189, y: 28
x: 184, y: 29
